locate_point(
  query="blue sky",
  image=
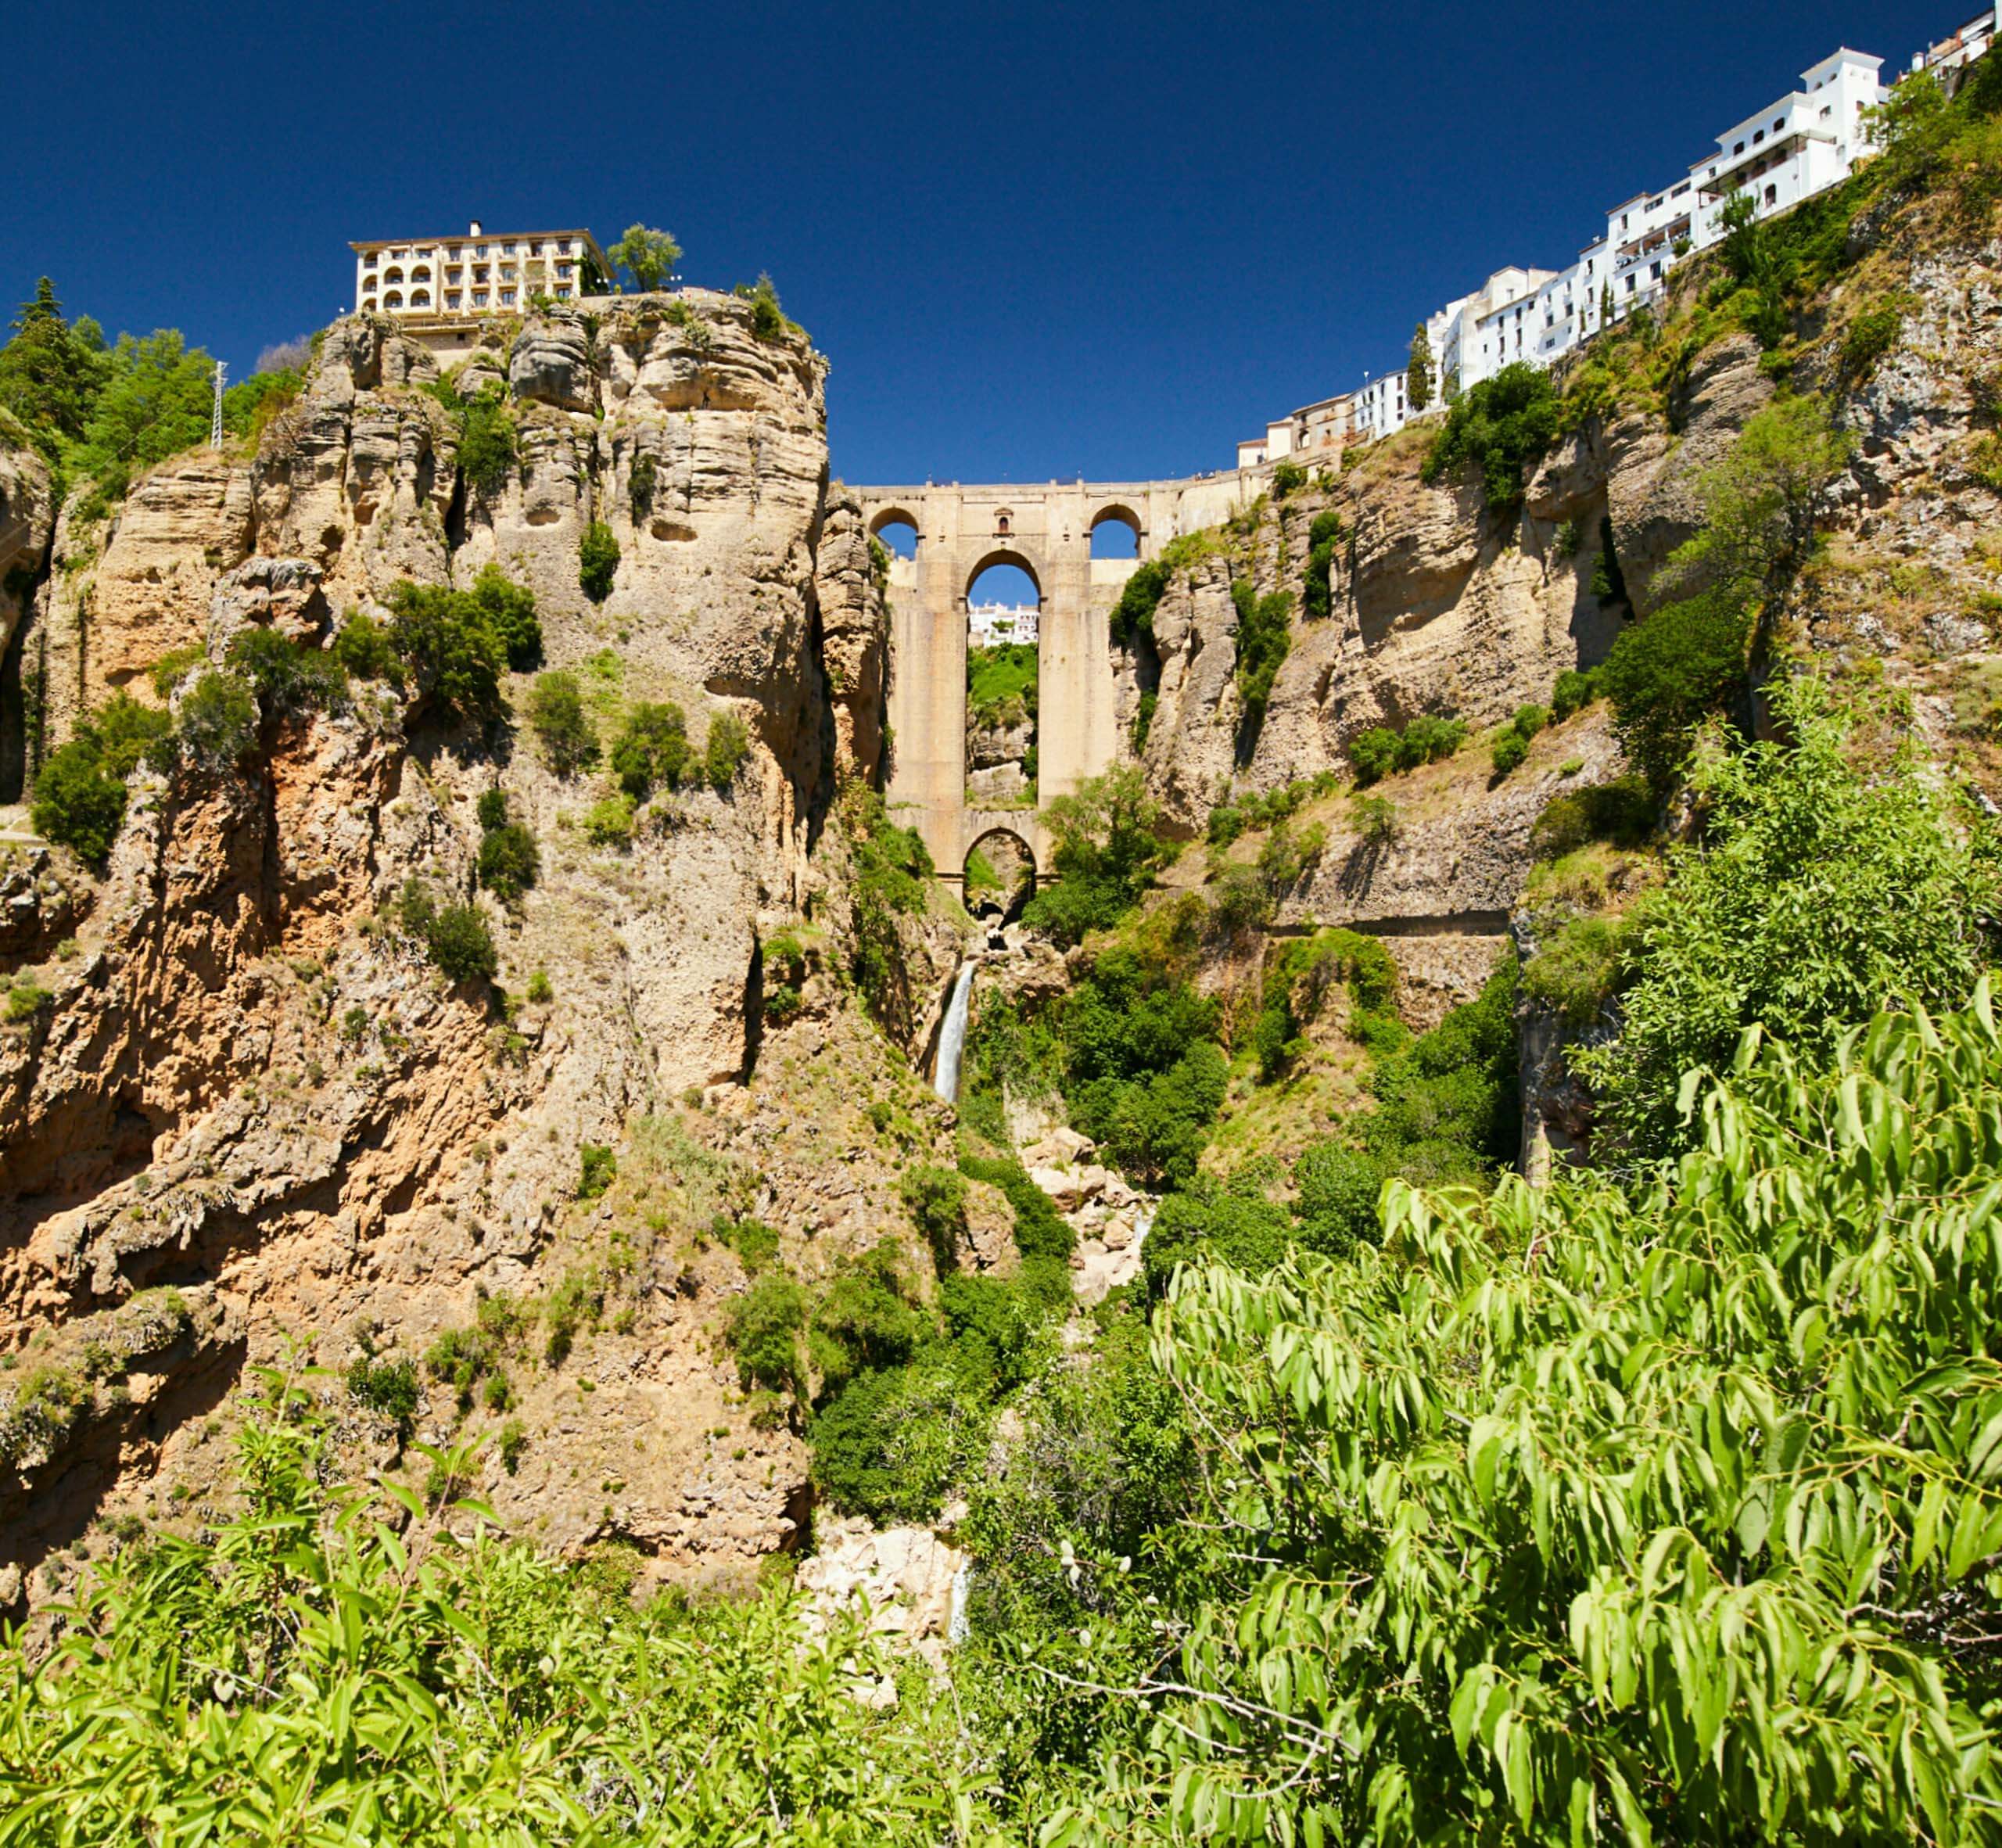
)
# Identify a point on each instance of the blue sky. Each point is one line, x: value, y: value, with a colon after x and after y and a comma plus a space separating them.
x: 1034, y: 240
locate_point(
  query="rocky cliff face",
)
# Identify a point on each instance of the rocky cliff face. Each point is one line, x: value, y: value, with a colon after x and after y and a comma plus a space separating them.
x: 244, y: 1088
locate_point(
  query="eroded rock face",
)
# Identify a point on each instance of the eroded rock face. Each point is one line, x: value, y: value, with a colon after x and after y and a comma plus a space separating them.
x: 27, y: 523
x: 250, y: 1085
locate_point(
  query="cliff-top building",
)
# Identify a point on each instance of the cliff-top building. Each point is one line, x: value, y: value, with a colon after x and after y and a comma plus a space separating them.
x: 1802, y: 144
x: 453, y: 277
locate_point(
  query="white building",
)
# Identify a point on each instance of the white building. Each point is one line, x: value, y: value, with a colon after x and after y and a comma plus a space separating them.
x: 1807, y: 142
x: 453, y: 278
x: 990, y: 625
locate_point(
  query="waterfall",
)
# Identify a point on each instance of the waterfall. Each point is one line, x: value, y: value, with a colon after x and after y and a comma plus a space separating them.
x: 953, y: 1037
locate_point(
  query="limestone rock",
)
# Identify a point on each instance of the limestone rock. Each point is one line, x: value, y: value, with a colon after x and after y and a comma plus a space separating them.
x: 552, y: 364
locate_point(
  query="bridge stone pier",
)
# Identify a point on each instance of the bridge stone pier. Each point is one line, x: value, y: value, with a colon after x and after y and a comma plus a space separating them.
x: 1045, y: 530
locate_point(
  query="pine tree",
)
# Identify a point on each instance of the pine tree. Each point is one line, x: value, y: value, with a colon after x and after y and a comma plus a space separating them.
x: 51, y: 372
x: 1418, y: 383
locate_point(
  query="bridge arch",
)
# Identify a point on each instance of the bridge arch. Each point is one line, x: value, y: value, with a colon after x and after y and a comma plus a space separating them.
x: 897, y: 529
x: 998, y: 875
x: 1004, y: 554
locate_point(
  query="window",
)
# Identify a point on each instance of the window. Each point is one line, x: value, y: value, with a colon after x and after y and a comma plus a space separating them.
x: 507, y: 272
x: 452, y: 300
x: 535, y: 249
x: 1655, y: 271
x: 506, y: 249
x: 563, y: 270
x: 507, y: 297
x: 1827, y: 109
x: 452, y: 251
x: 479, y: 298
x: 562, y: 246
x: 1739, y: 148
x: 1758, y: 138
x: 1779, y: 124
x: 479, y: 272
x: 479, y: 250
x: 369, y: 262
x: 562, y: 293
x: 1772, y: 196
x: 1629, y: 284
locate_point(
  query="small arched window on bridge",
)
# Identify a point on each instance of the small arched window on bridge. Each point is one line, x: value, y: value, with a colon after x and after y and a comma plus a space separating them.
x: 1003, y: 524
x: 898, y: 531
x: 1115, y: 533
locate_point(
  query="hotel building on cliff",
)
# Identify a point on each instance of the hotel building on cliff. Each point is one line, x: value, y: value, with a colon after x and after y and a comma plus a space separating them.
x: 466, y: 276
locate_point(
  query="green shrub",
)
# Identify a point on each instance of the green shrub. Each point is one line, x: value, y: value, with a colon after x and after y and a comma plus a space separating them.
x: 557, y: 718
x: 640, y: 484
x: 1573, y: 692
x: 1577, y: 972
x: 864, y: 1320
x: 1317, y: 592
x: 1288, y: 478
x: 26, y: 1000
x: 890, y: 874
x: 510, y: 611
x: 1621, y: 811
x: 608, y: 822
x: 1825, y: 884
x: 172, y: 667
x: 487, y: 443
x: 936, y: 1200
x: 1265, y: 637
x: 1143, y: 719
x: 1378, y: 751
x: 890, y: 1443
x: 597, y: 561
x: 768, y: 321
x: 387, y: 1388
x: 598, y: 1168
x: 492, y: 808
x: 79, y: 796
x: 727, y: 746
x: 460, y: 944
x: 539, y: 992
x: 1509, y: 750
x: 651, y: 749
x: 508, y: 861
x: 217, y: 725
x: 445, y: 640
x: 1108, y: 846
x: 1871, y: 335
x: 363, y: 648
x: 285, y: 676
x: 1502, y: 425
x: 764, y: 1333
x: 1133, y: 615
x: 1669, y: 673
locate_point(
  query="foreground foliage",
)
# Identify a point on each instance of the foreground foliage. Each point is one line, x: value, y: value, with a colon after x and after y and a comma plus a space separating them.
x: 1602, y: 1515
x: 306, y: 1677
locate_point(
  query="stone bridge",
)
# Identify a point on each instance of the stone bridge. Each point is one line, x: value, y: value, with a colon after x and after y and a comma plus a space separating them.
x: 1045, y: 530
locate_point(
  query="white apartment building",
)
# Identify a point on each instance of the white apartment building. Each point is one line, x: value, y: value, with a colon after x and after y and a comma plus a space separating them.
x: 1806, y: 142
x: 990, y: 625
x: 453, y: 278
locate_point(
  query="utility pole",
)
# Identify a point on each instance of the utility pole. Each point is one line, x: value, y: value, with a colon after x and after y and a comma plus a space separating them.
x: 215, y: 420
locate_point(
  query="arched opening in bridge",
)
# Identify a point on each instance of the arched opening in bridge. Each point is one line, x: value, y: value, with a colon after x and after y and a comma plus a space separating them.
x: 1004, y: 607
x: 898, y: 531
x: 1115, y: 533
x: 1000, y: 876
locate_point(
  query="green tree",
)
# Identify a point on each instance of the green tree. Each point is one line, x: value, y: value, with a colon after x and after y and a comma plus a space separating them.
x: 1108, y: 847
x: 557, y: 716
x: 652, y: 750
x: 1469, y: 1496
x: 156, y: 402
x: 1418, y: 377
x: 454, y: 656
x: 597, y: 561
x: 510, y: 611
x: 52, y: 371
x: 487, y: 451
x: 78, y: 802
x: 1501, y: 426
x: 724, y: 751
x: 1825, y: 884
x: 648, y: 256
